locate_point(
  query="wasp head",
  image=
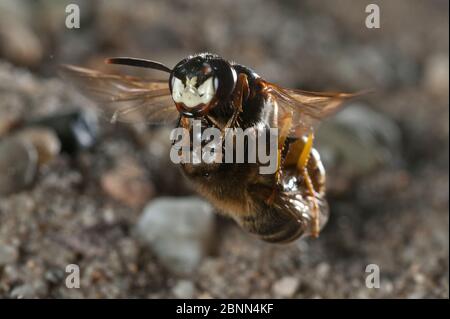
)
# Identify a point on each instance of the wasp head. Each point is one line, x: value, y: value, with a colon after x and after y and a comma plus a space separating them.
x: 198, y: 83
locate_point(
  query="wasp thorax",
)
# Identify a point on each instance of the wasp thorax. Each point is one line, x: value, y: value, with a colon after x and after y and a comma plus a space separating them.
x: 192, y: 93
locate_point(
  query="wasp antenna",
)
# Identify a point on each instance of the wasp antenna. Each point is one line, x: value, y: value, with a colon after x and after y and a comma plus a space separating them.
x: 143, y: 63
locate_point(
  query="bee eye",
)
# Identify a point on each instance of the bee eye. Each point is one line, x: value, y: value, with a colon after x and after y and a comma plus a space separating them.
x: 216, y: 83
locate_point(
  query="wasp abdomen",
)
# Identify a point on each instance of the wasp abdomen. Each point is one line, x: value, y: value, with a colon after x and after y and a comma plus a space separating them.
x: 289, y: 216
x: 274, y: 224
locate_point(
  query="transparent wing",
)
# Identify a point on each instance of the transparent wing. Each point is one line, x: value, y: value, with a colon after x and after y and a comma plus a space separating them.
x: 305, y: 109
x: 125, y: 98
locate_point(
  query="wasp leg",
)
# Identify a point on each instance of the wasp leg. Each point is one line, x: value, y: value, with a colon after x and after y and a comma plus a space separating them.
x: 282, y: 139
x: 212, y: 121
x: 241, y: 92
x: 301, y: 167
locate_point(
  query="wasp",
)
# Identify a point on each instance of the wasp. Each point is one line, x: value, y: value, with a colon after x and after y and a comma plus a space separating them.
x: 278, y: 207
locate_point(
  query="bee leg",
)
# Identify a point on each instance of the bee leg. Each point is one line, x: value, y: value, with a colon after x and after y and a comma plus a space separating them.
x: 232, y: 121
x: 241, y: 92
x: 301, y: 167
x: 282, y: 139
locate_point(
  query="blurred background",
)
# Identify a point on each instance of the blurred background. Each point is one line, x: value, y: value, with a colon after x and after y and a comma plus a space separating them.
x: 76, y: 189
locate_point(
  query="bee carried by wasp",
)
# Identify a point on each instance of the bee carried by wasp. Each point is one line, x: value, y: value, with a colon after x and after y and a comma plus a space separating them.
x: 278, y: 207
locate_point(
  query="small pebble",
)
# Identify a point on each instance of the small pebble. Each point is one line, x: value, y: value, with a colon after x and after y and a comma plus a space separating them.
x: 7, y: 122
x: 20, y: 43
x: 8, y: 254
x: 44, y: 140
x: 34, y: 289
x: 77, y: 130
x: 179, y: 230
x: 18, y: 165
x: 286, y: 287
x: 184, y: 289
x: 436, y: 76
x: 128, y: 183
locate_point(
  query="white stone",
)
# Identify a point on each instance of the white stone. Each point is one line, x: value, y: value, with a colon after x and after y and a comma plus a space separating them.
x: 178, y: 230
x: 286, y: 287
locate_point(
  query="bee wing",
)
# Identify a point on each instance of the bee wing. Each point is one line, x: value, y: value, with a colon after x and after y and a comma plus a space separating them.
x: 306, y: 109
x: 125, y: 98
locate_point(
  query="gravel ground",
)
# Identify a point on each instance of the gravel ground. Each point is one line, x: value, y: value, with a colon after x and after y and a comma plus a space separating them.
x: 84, y: 205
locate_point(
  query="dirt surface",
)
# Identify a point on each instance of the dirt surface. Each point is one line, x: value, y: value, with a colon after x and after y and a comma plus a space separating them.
x: 83, y: 206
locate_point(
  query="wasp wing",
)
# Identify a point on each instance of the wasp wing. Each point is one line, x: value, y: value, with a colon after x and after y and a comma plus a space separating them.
x: 305, y: 109
x: 125, y: 98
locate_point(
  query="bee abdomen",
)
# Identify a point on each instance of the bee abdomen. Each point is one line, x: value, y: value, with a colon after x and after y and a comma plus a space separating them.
x: 288, y: 232
x: 284, y: 221
x: 272, y: 227
x: 290, y: 215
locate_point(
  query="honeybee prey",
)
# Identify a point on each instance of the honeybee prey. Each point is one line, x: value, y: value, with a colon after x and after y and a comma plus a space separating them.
x: 278, y: 207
